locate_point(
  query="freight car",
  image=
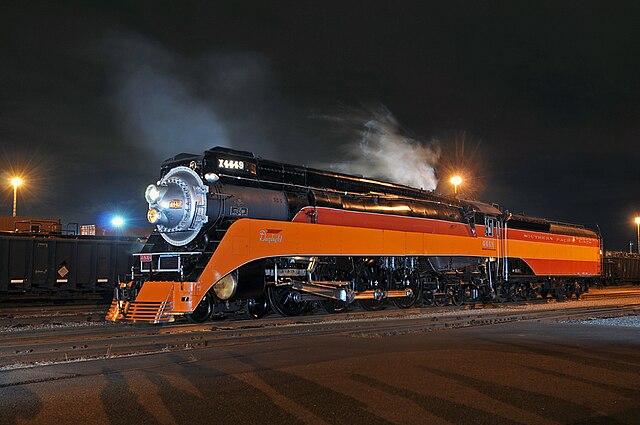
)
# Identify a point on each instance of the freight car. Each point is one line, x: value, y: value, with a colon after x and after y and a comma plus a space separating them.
x: 39, y: 264
x: 234, y: 229
x: 621, y: 268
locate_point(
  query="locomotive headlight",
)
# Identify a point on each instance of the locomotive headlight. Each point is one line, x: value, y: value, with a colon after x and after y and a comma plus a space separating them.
x: 226, y: 287
x: 152, y: 194
x: 178, y: 205
x: 153, y: 215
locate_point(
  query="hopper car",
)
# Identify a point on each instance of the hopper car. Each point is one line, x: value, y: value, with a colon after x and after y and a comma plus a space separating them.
x: 42, y: 265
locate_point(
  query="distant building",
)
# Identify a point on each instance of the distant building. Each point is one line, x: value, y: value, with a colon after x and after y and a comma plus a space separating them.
x: 30, y: 224
x: 88, y: 229
x: 54, y: 225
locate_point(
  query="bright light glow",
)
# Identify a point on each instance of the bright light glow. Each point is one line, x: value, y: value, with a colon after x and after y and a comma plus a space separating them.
x: 16, y: 181
x: 396, y: 208
x: 117, y: 221
x: 637, y: 220
x: 211, y: 177
x: 456, y: 180
x: 152, y: 193
x: 153, y: 215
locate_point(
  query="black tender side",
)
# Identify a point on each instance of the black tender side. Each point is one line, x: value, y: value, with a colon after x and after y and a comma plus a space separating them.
x: 522, y: 222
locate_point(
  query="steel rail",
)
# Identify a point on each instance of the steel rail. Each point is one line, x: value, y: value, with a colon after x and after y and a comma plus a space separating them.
x: 46, y: 314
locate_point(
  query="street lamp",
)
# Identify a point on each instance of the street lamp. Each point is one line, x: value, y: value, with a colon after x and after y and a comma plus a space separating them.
x: 117, y: 222
x: 638, y: 225
x: 455, y: 181
x: 16, y: 181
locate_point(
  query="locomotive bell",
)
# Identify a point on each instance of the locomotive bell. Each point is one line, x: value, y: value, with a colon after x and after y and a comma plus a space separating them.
x: 178, y: 205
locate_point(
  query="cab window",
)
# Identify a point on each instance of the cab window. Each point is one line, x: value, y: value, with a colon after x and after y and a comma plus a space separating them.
x: 490, y: 226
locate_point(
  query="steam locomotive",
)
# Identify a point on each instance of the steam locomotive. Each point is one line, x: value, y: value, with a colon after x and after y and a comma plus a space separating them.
x: 235, y: 231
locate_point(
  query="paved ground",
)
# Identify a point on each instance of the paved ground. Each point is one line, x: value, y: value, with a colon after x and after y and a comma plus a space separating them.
x: 513, y: 373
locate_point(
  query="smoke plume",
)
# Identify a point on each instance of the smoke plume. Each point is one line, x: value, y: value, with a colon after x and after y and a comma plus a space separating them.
x: 173, y: 103
x: 170, y: 103
x: 380, y: 149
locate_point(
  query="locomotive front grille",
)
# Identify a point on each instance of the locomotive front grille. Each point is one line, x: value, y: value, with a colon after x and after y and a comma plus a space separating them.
x: 155, y: 312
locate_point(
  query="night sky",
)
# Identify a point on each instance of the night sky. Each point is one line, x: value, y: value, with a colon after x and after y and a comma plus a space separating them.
x: 537, y: 103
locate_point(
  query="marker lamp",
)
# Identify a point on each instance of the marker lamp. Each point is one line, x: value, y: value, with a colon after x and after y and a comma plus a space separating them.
x: 153, y: 215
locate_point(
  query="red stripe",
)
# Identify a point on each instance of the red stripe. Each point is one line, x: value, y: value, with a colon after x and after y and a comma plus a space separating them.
x: 563, y: 267
x: 367, y: 220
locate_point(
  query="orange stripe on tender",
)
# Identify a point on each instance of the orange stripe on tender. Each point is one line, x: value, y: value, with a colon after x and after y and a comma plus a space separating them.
x: 552, y: 251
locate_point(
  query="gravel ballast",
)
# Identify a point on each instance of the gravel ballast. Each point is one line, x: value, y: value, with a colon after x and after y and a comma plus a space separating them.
x: 626, y: 321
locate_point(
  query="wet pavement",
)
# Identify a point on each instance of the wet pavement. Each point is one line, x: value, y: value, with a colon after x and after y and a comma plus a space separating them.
x: 526, y: 372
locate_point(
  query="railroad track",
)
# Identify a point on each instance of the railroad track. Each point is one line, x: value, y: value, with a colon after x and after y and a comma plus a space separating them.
x: 56, y: 316
x: 42, y: 315
x: 600, y: 294
x: 106, y: 340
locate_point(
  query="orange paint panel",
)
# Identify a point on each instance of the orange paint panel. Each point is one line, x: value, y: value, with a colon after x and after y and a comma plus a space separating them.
x: 360, y: 240
x: 276, y: 238
x: 240, y: 246
x: 452, y: 245
x: 414, y: 243
x: 325, y: 240
x: 155, y: 292
x: 184, y: 295
x: 435, y: 243
x: 552, y: 251
x: 394, y: 242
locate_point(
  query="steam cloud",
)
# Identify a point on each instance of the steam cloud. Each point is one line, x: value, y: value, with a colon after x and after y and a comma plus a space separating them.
x: 171, y: 103
x: 384, y: 152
